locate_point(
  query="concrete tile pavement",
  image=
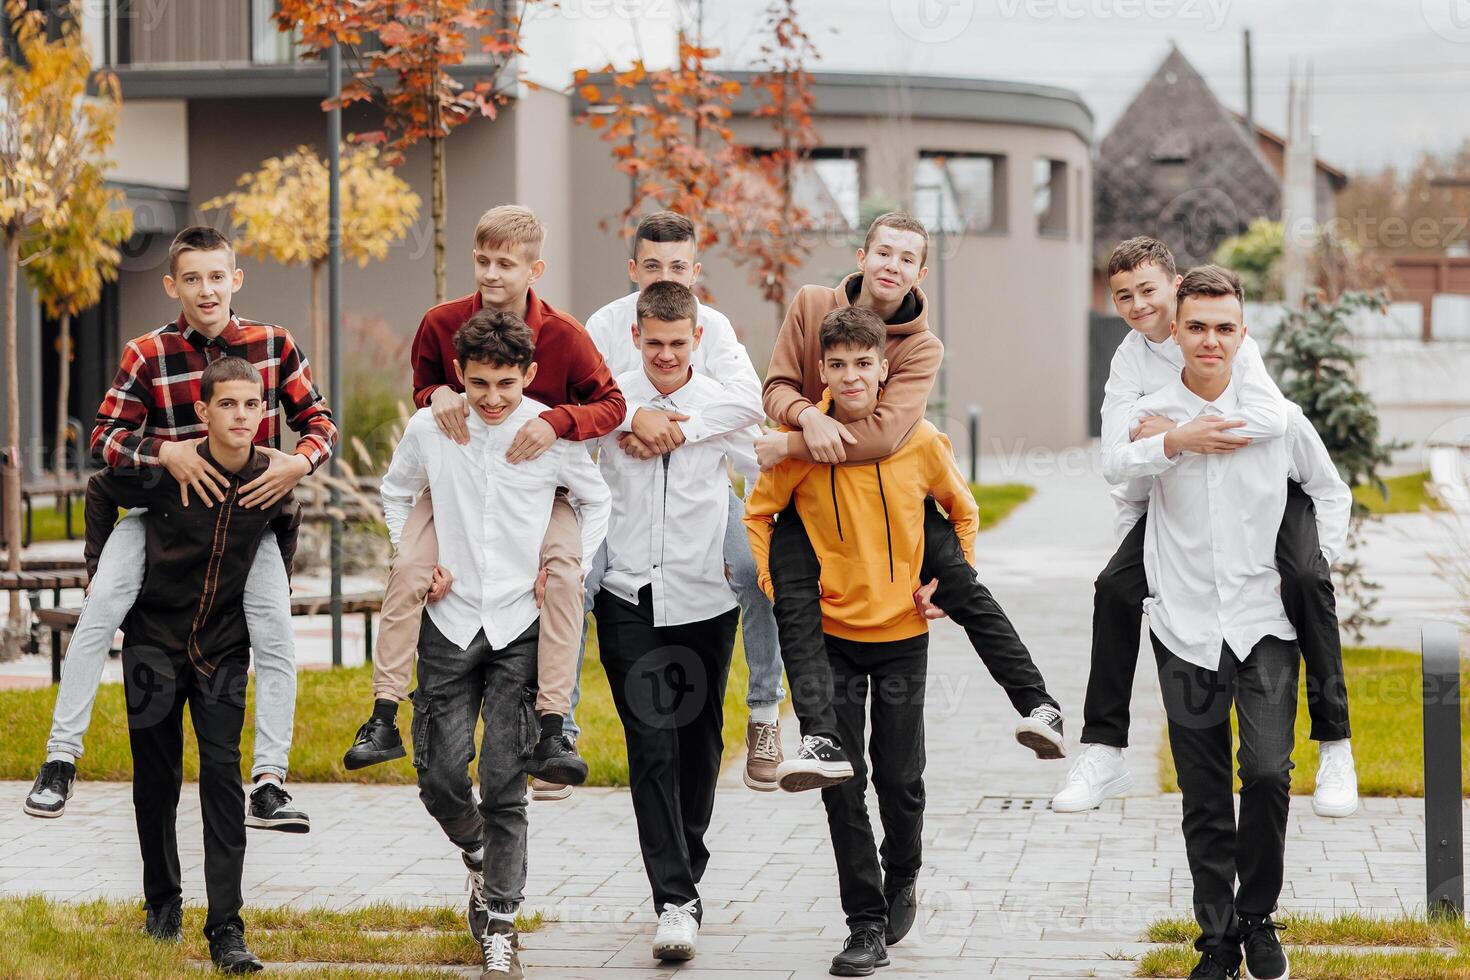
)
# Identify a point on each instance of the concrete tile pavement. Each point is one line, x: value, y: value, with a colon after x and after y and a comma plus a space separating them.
x: 1009, y: 888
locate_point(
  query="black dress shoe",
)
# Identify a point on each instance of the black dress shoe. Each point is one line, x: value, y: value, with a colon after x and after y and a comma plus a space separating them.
x: 227, y: 951
x: 863, y: 953
x: 555, y: 760
x: 377, y: 741
x: 165, y: 922
x: 903, y: 908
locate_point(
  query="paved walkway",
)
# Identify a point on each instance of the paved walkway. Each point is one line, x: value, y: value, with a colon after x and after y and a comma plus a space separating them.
x: 1009, y: 888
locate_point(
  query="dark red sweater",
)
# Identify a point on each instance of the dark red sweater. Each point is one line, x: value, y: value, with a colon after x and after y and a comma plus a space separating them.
x: 571, y: 375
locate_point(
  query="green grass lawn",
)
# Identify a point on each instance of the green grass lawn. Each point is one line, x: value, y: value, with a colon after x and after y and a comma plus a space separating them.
x: 997, y: 500
x: 48, y: 523
x: 106, y: 939
x: 1388, y: 727
x: 1339, y: 948
x: 1406, y: 495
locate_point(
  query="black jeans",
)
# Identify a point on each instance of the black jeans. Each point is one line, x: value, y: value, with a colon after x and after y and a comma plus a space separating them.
x: 1263, y: 689
x: 157, y: 684
x: 894, y: 673
x: 1306, y: 592
x: 454, y: 688
x: 668, y: 683
x: 795, y: 577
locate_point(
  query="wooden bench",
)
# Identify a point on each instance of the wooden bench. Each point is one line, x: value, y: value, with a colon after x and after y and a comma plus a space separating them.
x: 63, y: 621
x: 39, y: 580
x: 63, y: 491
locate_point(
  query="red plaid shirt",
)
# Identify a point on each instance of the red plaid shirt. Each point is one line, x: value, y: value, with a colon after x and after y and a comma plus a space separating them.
x: 151, y: 400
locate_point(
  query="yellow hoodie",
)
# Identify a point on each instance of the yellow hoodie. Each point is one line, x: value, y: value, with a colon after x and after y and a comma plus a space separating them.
x: 866, y: 524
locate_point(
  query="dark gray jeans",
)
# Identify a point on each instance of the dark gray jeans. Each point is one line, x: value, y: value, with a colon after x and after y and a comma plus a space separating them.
x: 454, y: 686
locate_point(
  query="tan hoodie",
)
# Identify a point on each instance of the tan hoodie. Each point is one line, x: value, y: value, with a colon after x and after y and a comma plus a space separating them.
x: 794, y: 380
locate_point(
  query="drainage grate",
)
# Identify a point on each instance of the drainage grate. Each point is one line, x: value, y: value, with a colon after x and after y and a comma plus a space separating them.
x: 1011, y: 804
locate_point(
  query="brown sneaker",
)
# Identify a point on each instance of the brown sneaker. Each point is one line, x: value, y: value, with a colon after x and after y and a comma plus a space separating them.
x: 543, y: 790
x: 762, y: 755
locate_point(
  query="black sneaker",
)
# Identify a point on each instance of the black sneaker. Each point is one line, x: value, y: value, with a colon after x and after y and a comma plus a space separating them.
x: 498, y: 950
x: 819, y: 764
x: 477, y: 914
x: 227, y: 951
x: 863, y: 953
x: 52, y: 789
x: 377, y: 741
x: 1041, y: 732
x: 1264, y: 957
x: 165, y: 922
x: 555, y: 760
x: 270, y: 809
x: 903, y: 908
x: 1211, y: 967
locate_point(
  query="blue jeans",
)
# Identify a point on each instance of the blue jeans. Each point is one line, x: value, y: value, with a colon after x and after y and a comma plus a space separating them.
x: 757, y: 620
x: 116, y: 586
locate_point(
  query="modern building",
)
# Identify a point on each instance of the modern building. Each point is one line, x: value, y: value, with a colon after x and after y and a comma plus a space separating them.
x: 1002, y: 172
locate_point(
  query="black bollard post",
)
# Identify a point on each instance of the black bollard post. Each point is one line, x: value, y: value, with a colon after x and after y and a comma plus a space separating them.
x: 974, y: 443
x: 1443, y: 816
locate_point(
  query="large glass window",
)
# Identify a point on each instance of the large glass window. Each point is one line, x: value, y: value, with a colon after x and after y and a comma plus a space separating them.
x: 960, y: 193
x: 1049, y: 196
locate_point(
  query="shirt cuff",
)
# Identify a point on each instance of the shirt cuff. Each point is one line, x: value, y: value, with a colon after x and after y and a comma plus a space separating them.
x: 559, y: 419
x: 1153, y: 452
x: 793, y: 414
x: 627, y: 424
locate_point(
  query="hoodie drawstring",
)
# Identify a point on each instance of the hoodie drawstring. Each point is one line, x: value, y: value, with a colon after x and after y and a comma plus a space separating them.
x: 836, y: 511
x: 887, y: 527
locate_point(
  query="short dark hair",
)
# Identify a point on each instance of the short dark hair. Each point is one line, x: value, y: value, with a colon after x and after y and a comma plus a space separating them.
x: 1210, y: 280
x: 1129, y: 255
x: 495, y: 338
x: 900, y: 221
x: 228, y: 369
x: 669, y: 302
x: 852, y: 326
x: 198, y: 238
x: 663, y: 226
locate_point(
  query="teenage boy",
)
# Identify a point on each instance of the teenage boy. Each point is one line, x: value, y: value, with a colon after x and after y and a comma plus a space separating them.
x: 478, y: 643
x: 1143, y: 280
x: 188, y: 642
x: 147, y: 420
x: 664, y: 251
x: 580, y: 402
x: 666, y: 615
x: 890, y: 268
x: 1220, y: 632
x: 867, y: 526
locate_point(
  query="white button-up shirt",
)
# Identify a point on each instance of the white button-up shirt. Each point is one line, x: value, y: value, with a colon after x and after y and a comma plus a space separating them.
x: 720, y: 356
x: 669, y: 513
x: 1141, y: 367
x: 1209, y: 549
x: 490, y: 516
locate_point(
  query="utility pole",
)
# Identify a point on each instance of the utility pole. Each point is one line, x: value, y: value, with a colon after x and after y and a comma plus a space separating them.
x: 334, y: 326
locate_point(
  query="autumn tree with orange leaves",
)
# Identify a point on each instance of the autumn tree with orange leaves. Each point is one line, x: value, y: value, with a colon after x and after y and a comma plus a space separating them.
x: 401, y: 54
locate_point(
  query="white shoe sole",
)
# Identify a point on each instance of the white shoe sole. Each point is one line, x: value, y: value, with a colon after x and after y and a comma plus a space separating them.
x: 1323, y: 810
x: 1245, y: 971
x: 292, y: 825
x: 759, y: 785
x: 49, y: 814
x: 1041, y: 739
x: 1116, y: 786
x: 551, y: 795
x: 807, y: 777
x: 674, y: 951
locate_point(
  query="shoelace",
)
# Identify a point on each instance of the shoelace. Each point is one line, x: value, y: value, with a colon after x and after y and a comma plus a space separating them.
x: 765, y: 741
x: 497, y: 949
x: 475, y: 882
x: 1046, y: 714
x: 810, y: 744
x: 1260, y: 931
x: 678, y: 916
x: 1334, y: 770
x: 866, y: 938
x: 1085, y: 767
x: 272, y: 796
x: 52, y: 779
x: 229, y: 940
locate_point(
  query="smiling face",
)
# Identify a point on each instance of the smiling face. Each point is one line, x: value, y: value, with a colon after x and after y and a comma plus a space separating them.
x: 664, y: 262
x: 233, y: 414
x: 203, y: 280
x: 667, y: 347
x: 504, y: 274
x: 892, y: 264
x: 1209, y: 332
x: 1144, y: 298
x: 853, y: 375
x: 494, y: 390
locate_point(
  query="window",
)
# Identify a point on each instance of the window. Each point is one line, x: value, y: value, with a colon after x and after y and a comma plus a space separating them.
x: 1049, y: 197
x: 960, y: 193
x: 827, y: 185
x: 268, y: 45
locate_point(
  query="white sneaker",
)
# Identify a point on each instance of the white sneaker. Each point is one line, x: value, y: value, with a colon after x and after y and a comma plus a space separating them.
x: 678, y: 931
x: 1337, y: 781
x: 1098, y: 775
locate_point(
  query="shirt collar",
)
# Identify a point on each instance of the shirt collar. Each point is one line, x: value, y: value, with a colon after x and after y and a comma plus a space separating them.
x: 1227, y: 402
x: 199, y: 340
x: 523, y: 412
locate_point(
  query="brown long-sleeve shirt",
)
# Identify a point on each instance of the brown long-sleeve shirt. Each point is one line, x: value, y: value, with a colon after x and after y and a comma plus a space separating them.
x: 794, y: 379
x: 198, y: 557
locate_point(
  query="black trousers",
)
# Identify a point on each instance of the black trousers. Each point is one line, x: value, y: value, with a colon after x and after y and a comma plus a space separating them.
x: 1306, y: 591
x: 894, y: 673
x: 795, y: 577
x: 157, y: 684
x: 668, y: 683
x: 1263, y: 689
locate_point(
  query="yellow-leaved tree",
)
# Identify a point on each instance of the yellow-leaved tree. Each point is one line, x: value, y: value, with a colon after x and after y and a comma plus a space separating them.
x: 279, y: 214
x: 51, y: 128
x: 67, y: 264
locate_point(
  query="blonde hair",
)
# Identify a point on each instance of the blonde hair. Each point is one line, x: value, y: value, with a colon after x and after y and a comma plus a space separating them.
x: 510, y: 225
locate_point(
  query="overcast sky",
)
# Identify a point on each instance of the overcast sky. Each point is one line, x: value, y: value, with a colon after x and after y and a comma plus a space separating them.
x: 1392, y: 76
